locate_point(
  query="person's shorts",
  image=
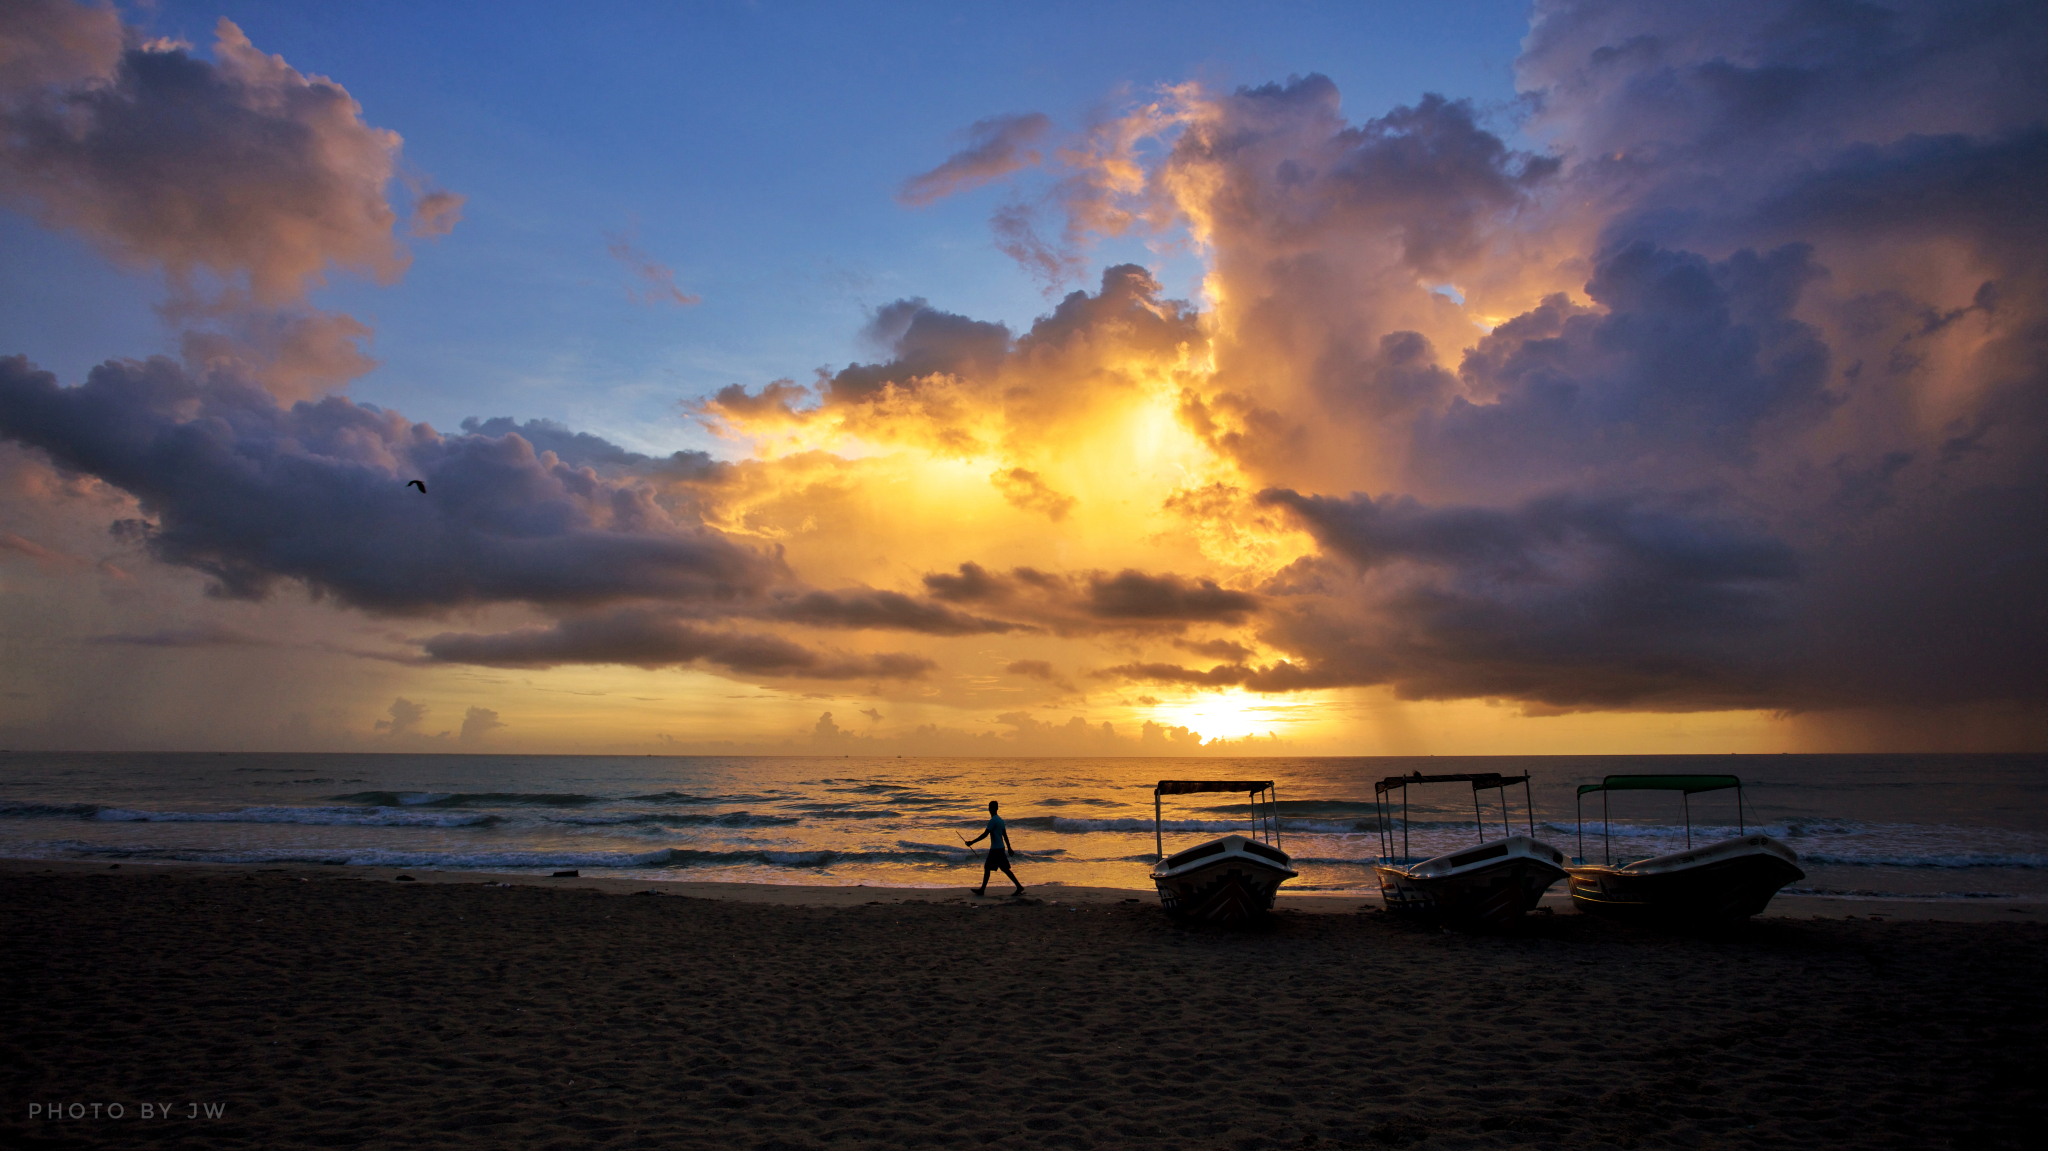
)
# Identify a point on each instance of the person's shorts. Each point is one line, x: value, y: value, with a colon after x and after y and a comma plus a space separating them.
x: 997, y: 860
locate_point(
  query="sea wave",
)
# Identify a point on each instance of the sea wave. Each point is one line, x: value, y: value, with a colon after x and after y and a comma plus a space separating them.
x: 685, y: 799
x: 976, y: 850
x: 1944, y: 860
x: 1071, y: 824
x: 48, y: 810
x: 725, y: 819
x: 468, y: 799
x: 318, y: 816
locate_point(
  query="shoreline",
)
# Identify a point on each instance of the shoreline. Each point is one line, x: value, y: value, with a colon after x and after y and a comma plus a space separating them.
x: 1555, y: 901
x: 295, y: 1008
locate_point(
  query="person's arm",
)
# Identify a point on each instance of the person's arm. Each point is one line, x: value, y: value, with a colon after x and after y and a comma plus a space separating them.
x: 1007, y: 846
x: 978, y: 838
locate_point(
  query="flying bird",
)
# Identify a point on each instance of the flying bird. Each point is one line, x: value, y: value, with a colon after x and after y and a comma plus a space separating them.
x: 420, y: 484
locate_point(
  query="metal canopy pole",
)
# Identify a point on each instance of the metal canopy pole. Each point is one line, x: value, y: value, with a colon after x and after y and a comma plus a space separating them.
x: 1606, y: 829
x: 1505, y: 830
x: 1741, y: 824
x: 1158, y: 840
x: 1405, y: 853
x: 1688, y: 819
x: 1529, y: 808
x: 1579, y: 801
x: 1478, y: 820
x: 1379, y: 817
x: 1273, y: 805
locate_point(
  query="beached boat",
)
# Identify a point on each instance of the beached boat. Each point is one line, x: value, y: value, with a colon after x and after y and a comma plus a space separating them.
x: 1488, y: 885
x: 1229, y: 880
x: 1718, y: 883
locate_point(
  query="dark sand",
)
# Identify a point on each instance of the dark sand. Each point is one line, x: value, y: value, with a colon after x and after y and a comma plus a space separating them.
x: 326, y: 1009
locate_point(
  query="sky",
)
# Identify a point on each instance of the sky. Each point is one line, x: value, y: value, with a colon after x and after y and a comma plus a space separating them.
x: 959, y: 379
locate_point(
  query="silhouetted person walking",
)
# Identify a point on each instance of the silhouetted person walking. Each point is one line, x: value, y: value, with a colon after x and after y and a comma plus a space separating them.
x: 998, y: 835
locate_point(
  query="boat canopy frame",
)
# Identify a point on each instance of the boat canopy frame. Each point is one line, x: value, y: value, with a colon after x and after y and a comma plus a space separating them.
x: 1686, y: 785
x: 1266, y: 825
x: 1480, y: 781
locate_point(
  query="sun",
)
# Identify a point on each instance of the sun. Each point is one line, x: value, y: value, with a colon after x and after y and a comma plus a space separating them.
x: 1226, y: 715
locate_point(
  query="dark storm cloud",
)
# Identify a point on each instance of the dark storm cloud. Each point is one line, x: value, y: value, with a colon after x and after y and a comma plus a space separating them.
x: 655, y: 638
x: 1133, y: 595
x: 200, y: 635
x: 1563, y: 601
x: 1429, y: 172
x: 1089, y: 602
x: 925, y: 342
x: 1666, y: 88
x: 894, y: 611
x: 1685, y: 358
x: 1566, y: 601
x: 252, y: 493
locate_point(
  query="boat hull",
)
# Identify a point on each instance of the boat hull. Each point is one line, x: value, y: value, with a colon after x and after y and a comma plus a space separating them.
x: 1720, y: 883
x: 1223, y: 882
x: 1489, y: 886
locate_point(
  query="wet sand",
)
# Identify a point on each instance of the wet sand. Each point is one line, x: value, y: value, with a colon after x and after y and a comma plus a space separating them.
x: 322, y: 1007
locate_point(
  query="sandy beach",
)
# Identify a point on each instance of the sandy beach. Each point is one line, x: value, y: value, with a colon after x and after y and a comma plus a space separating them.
x: 317, y: 1007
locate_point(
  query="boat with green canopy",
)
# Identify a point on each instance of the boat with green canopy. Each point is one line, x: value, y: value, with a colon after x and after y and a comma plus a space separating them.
x: 1231, y: 880
x: 1492, y: 884
x: 1719, y: 882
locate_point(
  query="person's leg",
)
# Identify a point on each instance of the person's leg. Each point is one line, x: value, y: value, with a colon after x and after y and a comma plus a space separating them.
x: 1012, y: 877
x: 985, y: 870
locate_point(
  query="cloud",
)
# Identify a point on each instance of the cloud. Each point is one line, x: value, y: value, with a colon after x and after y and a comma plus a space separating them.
x: 657, y: 280
x: 964, y: 388
x: 49, y: 557
x: 869, y: 608
x: 252, y: 494
x: 477, y: 723
x: 652, y: 638
x: 1216, y: 649
x: 1092, y: 602
x: 999, y: 146
x: 247, y: 182
x: 1730, y: 394
x: 54, y: 44
x: 1687, y: 410
x: 293, y: 352
x: 1023, y: 489
x: 1039, y: 669
x: 240, y: 166
x: 1563, y: 601
x: 435, y: 212
x: 198, y: 635
x: 405, y: 718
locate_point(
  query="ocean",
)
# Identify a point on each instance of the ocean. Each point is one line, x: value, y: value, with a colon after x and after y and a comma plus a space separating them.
x: 1938, y: 827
